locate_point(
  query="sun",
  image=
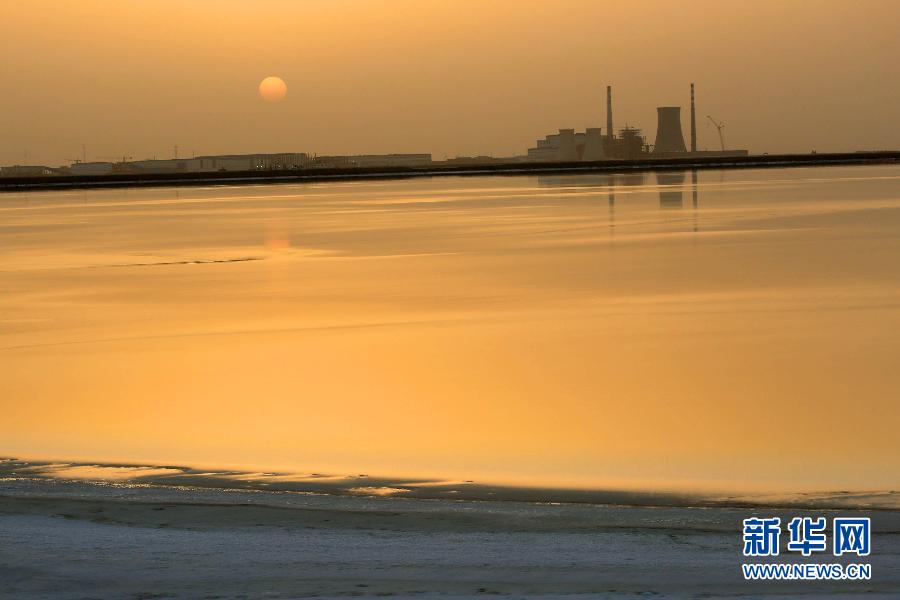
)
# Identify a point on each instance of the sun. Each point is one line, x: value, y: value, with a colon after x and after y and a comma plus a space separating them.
x: 273, y: 89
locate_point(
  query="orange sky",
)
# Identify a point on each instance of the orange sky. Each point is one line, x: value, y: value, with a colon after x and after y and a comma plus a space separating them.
x: 129, y: 77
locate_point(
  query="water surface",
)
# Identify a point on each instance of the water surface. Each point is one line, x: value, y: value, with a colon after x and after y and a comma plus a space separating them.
x: 721, y: 329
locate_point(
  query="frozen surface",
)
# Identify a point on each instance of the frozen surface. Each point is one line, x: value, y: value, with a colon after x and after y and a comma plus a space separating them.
x: 77, y: 541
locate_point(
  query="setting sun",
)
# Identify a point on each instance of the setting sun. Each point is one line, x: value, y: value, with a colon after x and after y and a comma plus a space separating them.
x: 273, y: 89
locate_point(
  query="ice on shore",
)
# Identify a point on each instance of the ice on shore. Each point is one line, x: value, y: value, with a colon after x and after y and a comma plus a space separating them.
x: 68, y: 539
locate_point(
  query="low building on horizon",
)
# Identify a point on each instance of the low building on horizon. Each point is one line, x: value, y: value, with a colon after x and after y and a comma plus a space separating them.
x: 390, y: 160
x: 458, y: 161
x: 197, y: 164
x: 29, y: 171
x: 248, y: 162
x: 91, y: 168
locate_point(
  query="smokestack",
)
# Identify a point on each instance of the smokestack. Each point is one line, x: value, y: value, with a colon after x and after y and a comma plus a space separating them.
x: 668, y: 130
x: 693, y: 122
x: 609, y: 127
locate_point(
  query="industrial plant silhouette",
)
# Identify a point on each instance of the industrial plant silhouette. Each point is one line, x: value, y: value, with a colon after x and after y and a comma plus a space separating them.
x: 629, y: 144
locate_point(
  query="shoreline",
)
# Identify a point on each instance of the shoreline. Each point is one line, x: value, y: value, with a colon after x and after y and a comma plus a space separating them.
x: 188, y: 543
x: 51, y: 477
x: 68, y: 182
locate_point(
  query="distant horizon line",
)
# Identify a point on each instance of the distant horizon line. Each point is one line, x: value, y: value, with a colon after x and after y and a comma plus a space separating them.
x: 320, y: 174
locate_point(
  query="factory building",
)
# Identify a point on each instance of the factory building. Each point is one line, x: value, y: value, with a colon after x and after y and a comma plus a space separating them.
x: 588, y: 145
x: 569, y: 146
x: 594, y: 148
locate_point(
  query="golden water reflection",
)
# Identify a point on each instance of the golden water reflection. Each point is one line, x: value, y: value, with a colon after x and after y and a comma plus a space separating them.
x: 575, y: 330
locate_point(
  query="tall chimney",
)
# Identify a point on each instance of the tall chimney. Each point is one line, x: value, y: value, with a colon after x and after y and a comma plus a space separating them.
x: 693, y: 122
x: 609, y: 128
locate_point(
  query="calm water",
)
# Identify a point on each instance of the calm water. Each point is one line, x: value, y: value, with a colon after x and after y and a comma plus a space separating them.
x: 721, y: 329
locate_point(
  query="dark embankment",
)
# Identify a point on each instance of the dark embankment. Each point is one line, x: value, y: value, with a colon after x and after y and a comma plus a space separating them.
x: 345, y: 174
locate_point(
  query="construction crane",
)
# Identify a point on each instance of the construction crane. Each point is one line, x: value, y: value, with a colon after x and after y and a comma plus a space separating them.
x: 720, y: 126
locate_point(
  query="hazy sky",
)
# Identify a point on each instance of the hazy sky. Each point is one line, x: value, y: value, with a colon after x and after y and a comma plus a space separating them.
x: 136, y: 77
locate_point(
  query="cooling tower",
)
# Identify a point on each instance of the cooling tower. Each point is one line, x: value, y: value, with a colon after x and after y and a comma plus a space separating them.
x: 593, y: 144
x: 668, y: 130
x: 567, y: 151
